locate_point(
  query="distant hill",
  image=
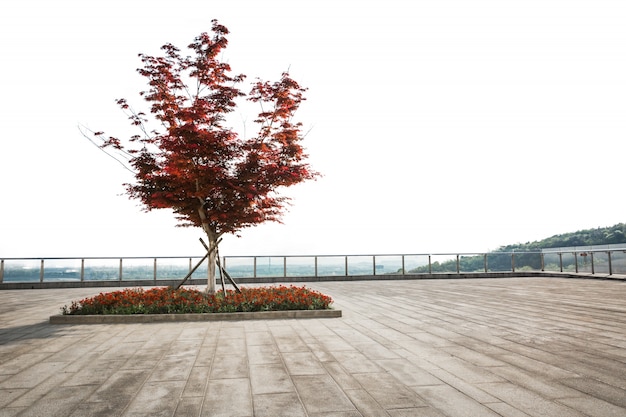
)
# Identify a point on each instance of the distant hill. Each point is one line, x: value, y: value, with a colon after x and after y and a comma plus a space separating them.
x: 530, y: 261
x: 589, y: 237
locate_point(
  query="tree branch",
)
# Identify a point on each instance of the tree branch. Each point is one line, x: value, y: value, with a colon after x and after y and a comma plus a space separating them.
x: 122, y: 163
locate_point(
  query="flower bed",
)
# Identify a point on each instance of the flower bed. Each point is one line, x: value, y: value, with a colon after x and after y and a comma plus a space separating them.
x: 167, y: 300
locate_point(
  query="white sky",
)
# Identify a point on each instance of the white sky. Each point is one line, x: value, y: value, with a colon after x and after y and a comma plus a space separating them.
x: 439, y: 126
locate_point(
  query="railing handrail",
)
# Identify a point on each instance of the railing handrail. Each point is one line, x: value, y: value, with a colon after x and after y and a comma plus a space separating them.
x: 577, y: 249
x: 55, y: 258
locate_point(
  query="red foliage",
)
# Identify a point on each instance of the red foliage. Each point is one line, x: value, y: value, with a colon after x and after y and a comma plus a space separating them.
x: 196, y: 165
x: 168, y: 300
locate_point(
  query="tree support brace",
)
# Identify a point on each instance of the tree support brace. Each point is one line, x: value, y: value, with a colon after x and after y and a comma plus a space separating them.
x: 180, y: 284
x: 222, y: 270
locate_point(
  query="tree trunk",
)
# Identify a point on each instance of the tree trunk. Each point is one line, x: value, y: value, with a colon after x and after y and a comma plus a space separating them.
x: 213, y: 242
x: 211, y: 261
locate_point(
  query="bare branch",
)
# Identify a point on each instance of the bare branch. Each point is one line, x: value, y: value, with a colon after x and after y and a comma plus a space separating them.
x: 124, y: 164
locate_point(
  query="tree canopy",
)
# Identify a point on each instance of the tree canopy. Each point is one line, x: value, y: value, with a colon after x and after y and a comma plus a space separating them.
x: 193, y: 162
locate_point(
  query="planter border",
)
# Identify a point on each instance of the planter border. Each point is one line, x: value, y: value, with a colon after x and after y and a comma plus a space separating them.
x: 164, y: 318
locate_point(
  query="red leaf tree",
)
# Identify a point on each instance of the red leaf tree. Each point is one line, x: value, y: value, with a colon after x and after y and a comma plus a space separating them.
x: 197, y: 166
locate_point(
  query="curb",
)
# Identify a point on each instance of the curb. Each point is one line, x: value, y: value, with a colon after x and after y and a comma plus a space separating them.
x: 163, y: 318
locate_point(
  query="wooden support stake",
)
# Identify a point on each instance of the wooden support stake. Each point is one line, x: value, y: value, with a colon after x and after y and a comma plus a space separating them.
x: 180, y: 284
x: 223, y: 274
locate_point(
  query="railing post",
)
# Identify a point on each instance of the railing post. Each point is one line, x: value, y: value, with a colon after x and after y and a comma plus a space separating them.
x: 513, y: 262
x: 561, y: 261
x: 41, y: 272
x: 576, y: 261
x: 345, y: 266
x: 403, y: 270
x: 485, y: 263
x: 374, y: 263
x: 315, y: 266
x: 543, y: 265
x: 430, y: 266
x: 120, y: 276
x: 610, y: 263
x: 154, y: 270
x: 82, y: 270
x: 284, y: 266
x: 1, y: 270
x: 593, y: 267
x: 254, y: 267
x: 458, y: 264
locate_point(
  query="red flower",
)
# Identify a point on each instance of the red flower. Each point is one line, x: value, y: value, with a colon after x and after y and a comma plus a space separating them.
x: 184, y: 300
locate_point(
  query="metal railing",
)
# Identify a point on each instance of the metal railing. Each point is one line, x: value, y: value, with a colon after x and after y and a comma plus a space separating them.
x: 98, y: 269
x: 155, y: 269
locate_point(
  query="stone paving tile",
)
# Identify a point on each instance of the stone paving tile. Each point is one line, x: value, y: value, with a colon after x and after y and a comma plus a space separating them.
x: 355, y: 362
x: 9, y: 395
x: 234, y: 365
x: 546, y: 387
x: 302, y: 363
x: 530, y: 402
x: 158, y: 399
x: 466, y: 371
x: 376, y: 351
x: 365, y: 403
x: 407, y: 372
x: 19, y: 363
x: 341, y: 377
x: 119, y: 389
x: 334, y: 343
x: 259, y: 338
x: 593, y: 406
x: 471, y: 356
x: 228, y: 398
x: 270, y: 379
x: 598, y: 389
x: 279, y: 404
x: 89, y: 376
x: 352, y: 413
x: 189, y: 406
x: 452, y: 402
x: 320, y: 393
x: 172, y: 368
x: 290, y: 343
x: 10, y: 412
x: 506, y: 410
x: 464, y: 387
x: 263, y: 354
x: 196, y: 383
x: 144, y: 359
x: 388, y: 391
x: 415, y: 412
x: 511, y: 347
x: 33, y: 375
x: 60, y: 401
x: 539, y: 367
x: 205, y: 356
x: 35, y: 394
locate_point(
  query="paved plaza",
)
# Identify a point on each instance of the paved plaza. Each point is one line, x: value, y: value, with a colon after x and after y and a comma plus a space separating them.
x: 515, y: 347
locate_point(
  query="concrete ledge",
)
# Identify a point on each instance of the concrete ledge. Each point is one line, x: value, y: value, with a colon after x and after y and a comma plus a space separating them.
x: 305, y: 279
x: 160, y: 318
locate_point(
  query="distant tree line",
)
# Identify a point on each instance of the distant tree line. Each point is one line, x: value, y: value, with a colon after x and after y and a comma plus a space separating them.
x: 526, y: 256
x: 589, y: 237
